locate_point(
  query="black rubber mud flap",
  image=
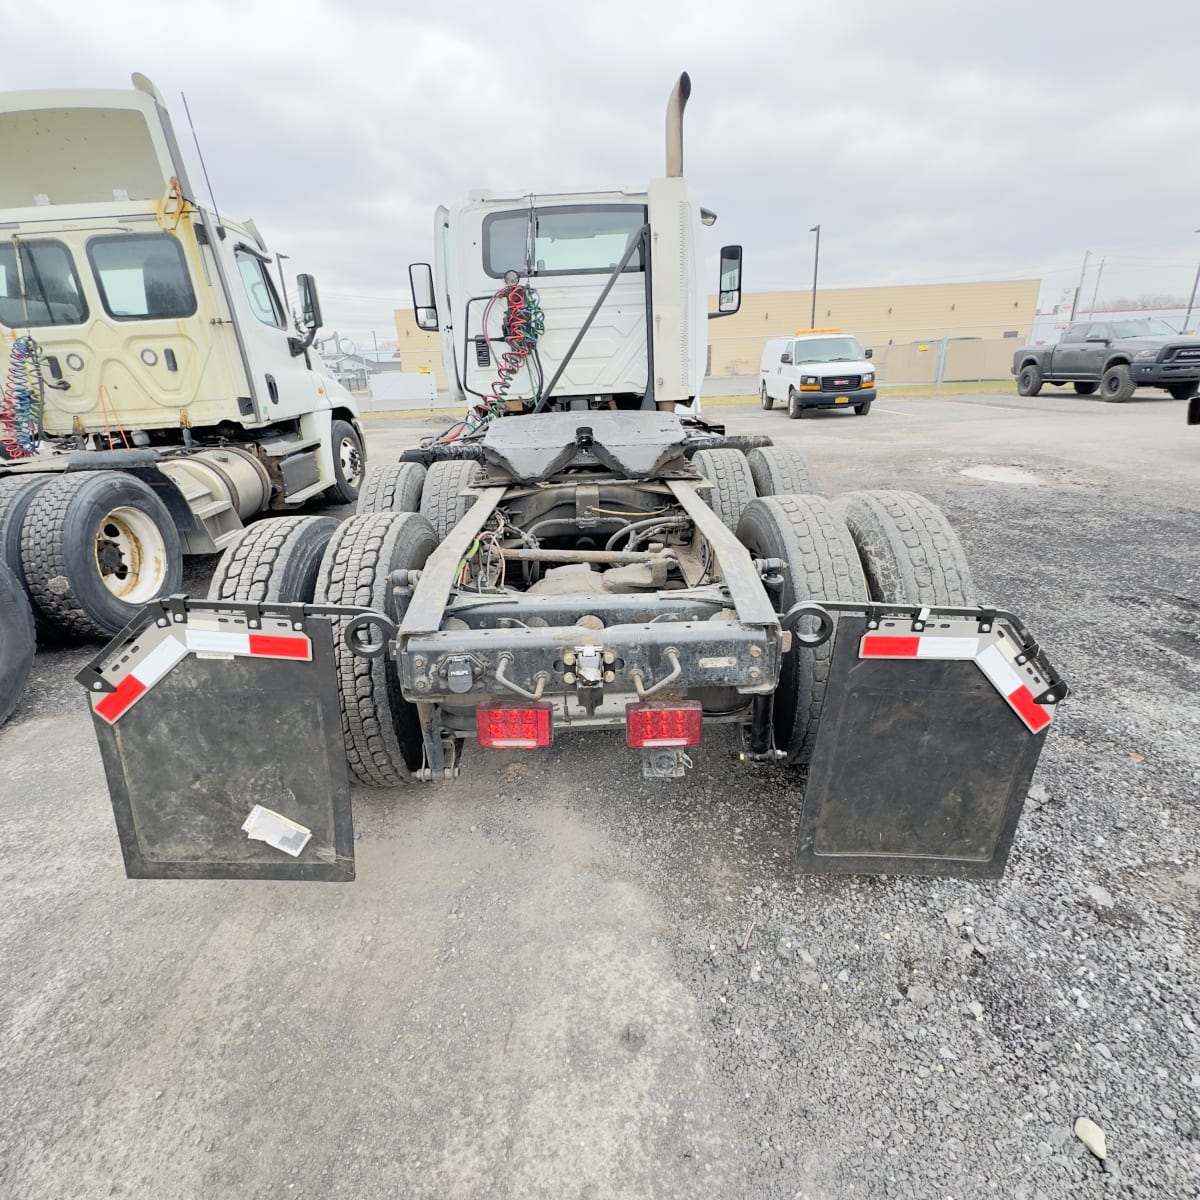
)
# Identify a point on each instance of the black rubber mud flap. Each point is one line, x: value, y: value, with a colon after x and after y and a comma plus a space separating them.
x: 929, y: 737
x: 222, y: 743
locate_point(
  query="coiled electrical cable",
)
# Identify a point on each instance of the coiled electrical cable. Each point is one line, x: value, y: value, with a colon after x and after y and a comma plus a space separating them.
x: 22, y: 400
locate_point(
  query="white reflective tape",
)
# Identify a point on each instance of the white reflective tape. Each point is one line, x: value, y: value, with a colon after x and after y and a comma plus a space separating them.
x: 204, y: 641
x: 159, y: 661
x: 997, y: 668
x: 947, y: 647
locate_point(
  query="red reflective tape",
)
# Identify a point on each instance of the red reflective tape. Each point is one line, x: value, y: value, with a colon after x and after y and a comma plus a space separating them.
x: 879, y: 645
x: 1028, y: 709
x: 114, y: 703
x: 269, y: 646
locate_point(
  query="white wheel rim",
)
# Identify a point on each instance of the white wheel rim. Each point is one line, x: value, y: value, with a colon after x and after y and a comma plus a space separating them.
x: 131, y: 555
x: 351, y: 462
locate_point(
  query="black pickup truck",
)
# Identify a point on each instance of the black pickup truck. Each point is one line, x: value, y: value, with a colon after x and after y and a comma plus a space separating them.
x: 1115, y: 357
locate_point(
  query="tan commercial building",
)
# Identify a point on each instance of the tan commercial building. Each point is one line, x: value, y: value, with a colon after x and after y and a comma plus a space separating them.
x: 919, y: 332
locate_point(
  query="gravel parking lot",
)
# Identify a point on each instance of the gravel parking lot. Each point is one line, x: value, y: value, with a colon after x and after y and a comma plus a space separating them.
x: 555, y: 979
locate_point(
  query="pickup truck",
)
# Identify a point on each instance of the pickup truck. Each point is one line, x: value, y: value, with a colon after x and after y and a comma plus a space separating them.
x: 1115, y: 357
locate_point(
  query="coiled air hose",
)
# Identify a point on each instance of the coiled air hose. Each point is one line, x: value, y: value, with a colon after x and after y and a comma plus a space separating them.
x: 22, y: 400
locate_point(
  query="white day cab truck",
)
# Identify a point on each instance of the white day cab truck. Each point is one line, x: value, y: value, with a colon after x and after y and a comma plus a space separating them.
x: 578, y: 555
x: 153, y: 398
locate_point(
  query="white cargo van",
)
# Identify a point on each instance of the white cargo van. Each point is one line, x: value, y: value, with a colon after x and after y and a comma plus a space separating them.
x: 816, y: 368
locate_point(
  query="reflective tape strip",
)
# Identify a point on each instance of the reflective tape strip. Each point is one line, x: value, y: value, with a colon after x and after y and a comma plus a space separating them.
x: 140, y: 680
x: 251, y: 645
x: 1008, y: 683
x: 991, y: 660
x: 211, y: 641
x: 270, y: 645
x: 171, y: 650
x: 881, y: 645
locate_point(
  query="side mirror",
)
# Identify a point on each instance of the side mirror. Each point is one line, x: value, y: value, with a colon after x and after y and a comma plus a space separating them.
x: 786, y: 357
x: 310, y: 314
x: 1098, y: 338
x: 420, y: 280
x: 868, y: 353
x: 729, y: 295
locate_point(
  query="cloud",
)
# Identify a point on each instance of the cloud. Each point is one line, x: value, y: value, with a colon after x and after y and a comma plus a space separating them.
x: 931, y: 141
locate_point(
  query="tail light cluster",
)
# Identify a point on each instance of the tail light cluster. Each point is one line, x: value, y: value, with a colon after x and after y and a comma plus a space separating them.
x: 647, y: 726
x: 528, y: 728
x: 659, y: 726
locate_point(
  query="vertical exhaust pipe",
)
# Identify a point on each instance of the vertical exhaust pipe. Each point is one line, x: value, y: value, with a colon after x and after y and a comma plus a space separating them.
x: 675, y: 107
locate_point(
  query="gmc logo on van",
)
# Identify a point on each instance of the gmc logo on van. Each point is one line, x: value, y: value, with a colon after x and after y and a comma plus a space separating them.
x: 841, y: 383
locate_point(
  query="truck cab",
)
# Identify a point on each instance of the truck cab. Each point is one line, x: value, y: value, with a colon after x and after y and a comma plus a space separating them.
x: 155, y: 394
x: 602, y: 288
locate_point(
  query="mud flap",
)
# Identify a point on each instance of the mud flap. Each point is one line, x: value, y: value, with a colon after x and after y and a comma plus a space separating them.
x: 221, y: 738
x: 930, y: 732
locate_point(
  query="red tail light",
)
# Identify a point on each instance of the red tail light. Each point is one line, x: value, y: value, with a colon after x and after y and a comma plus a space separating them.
x: 650, y: 726
x: 515, y: 728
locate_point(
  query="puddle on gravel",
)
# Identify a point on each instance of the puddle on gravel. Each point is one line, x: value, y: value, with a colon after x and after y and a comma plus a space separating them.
x: 1003, y: 475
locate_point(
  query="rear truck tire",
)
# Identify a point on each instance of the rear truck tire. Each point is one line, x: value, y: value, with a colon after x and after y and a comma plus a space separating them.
x: 441, y: 503
x: 18, y: 641
x: 276, y: 559
x: 732, y: 483
x: 349, y: 463
x: 1117, y: 384
x: 395, y: 487
x: 861, y: 410
x: 782, y: 471
x: 910, y: 553
x: 1182, y: 391
x: 381, y: 730
x: 821, y: 564
x: 764, y: 399
x: 1029, y: 380
x: 16, y: 495
x: 96, y: 547
x: 795, y: 404
x: 1085, y: 389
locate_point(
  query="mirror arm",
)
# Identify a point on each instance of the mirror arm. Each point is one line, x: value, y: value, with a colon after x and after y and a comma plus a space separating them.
x: 297, y: 346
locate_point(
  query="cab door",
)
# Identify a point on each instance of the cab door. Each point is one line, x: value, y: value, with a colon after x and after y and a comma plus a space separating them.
x: 284, y: 384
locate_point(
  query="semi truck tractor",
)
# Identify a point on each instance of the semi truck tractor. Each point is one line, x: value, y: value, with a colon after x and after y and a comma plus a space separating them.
x: 156, y: 396
x: 577, y: 556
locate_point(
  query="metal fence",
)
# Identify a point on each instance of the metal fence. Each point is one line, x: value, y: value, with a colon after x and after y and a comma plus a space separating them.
x: 953, y: 354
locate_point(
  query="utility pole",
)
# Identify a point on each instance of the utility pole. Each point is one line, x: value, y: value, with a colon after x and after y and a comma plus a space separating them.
x: 1075, y: 303
x: 812, y: 320
x: 1192, y: 301
x: 1096, y: 290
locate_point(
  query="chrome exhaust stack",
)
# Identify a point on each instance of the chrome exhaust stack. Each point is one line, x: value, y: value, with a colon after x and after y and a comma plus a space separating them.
x: 675, y: 107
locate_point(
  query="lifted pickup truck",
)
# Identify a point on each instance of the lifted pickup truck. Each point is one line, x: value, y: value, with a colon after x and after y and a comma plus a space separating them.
x: 1114, y: 356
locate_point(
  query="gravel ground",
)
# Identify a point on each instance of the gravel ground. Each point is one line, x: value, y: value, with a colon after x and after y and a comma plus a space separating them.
x: 556, y: 979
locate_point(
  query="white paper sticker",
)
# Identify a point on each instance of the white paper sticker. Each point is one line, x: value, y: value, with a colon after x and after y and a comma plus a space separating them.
x: 276, y: 830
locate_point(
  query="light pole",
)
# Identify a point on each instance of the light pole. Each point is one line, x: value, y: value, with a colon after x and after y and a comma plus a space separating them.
x: 812, y: 320
x: 1193, y: 297
x: 1075, y: 303
x: 1096, y: 290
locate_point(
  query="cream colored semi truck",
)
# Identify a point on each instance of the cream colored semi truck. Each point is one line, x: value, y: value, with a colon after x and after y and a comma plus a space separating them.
x: 156, y: 395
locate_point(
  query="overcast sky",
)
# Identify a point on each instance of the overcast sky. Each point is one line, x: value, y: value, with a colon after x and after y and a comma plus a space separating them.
x: 932, y: 141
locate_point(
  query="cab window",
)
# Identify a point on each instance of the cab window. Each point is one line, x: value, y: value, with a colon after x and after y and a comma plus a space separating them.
x: 260, y: 291
x: 39, y: 285
x: 566, y: 239
x: 142, y: 277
